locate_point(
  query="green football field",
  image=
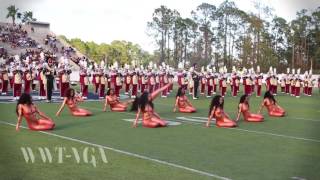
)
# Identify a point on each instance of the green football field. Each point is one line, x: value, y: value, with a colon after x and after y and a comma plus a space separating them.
x: 278, y: 148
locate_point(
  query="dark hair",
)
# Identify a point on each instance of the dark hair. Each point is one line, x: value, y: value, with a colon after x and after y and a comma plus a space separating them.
x: 179, y: 92
x: 243, y: 99
x: 270, y: 96
x: 24, y: 99
x: 215, y: 102
x: 141, y: 102
x: 108, y: 92
x: 68, y: 93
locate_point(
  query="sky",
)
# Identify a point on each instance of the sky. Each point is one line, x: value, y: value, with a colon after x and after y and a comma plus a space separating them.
x: 107, y: 20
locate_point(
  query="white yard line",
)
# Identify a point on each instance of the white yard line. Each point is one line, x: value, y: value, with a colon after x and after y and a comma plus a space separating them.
x: 197, y: 120
x: 129, y: 153
x: 298, y: 178
x: 279, y: 135
x: 260, y: 132
x: 306, y: 119
x: 192, y: 119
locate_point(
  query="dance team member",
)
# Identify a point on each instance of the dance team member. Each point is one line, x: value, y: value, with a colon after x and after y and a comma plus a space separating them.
x: 36, y: 119
x: 272, y: 106
x: 113, y: 101
x: 216, y: 111
x: 71, y: 101
x: 144, y: 105
x: 182, y: 102
x: 244, y: 109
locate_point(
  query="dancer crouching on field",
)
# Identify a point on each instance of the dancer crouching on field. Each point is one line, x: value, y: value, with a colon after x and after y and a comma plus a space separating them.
x: 183, y: 103
x: 244, y: 109
x: 25, y: 108
x: 143, y: 105
x: 272, y: 106
x: 71, y: 100
x: 114, y: 103
x: 216, y: 111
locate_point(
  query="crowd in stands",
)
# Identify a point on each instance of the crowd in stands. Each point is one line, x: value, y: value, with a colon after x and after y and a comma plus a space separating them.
x: 16, y: 36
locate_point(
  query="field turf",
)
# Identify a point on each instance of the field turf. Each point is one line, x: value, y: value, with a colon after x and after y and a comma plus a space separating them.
x: 279, y: 148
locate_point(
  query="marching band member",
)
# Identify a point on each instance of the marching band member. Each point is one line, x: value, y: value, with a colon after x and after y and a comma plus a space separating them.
x: 259, y: 84
x: 127, y: 78
x: 319, y: 83
x: 5, y: 80
x: 151, y: 82
x: 203, y: 83
x: 248, y: 85
x: 305, y: 83
x: 209, y: 80
x: 118, y: 85
x: 196, y: 81
x: 223, y: 86
x: 233, y: 78
x: 103, y: 82
x: 65, y: 81
x: 170, y: 81
x: 258, y: 81
x: 203, y: 80
x: 273, y: 84
x: 244, y: 81
x: 85, y: 84
x: 190, y: 83
x: 95, y: 80
x: 252, y: 83
x: 236, y: 84
x: 164, y: 83
x: 180, y: 77
x: 297, y: 86
x: 310, y: 84
x: 82, y: 75
x: 1, y: 80
x: 268, y: 79
x: 161, y: 79
x: 215, y: 83
x: 292, y: 83
x: 27, y: 81
x: 11, y: 74
x: 157, y: 78
x: 49, y: 71
x: 42, y: 83
x: 35, y: 81
x: 184, y: 80
x: 180, y: 74
x: 139, y: 80
x: 134, y: 82
x: 17, y: 83
x: 144, y: 80
x: 113, y: 76
x: 287, y: 84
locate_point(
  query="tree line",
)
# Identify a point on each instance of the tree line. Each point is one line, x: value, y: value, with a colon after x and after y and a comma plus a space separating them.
x: 222, y: 35
x: 14, y: 13
x: 225, y: 35
x: 117, y: 51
